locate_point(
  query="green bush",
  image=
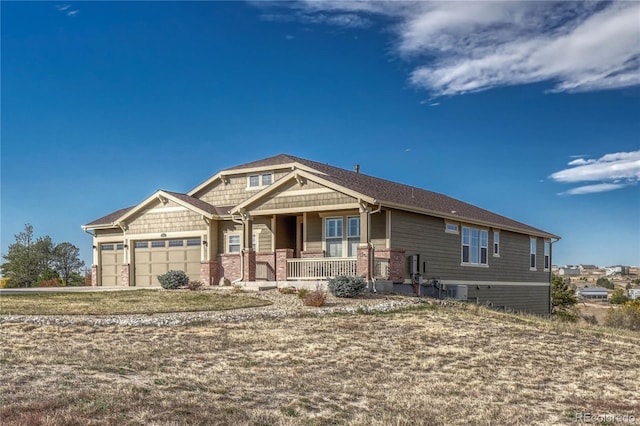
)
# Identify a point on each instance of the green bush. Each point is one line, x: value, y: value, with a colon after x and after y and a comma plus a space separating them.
x: 343, y: 286
x: 604, y: 282
x: 302, y: 293
x: 626, y: 316
x: 618, y: 297
x: 173, y: 279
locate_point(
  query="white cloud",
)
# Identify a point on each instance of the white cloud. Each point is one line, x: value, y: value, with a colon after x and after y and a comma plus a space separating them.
x: 62, y: 7
x: 73, y: 12
x: 612, y: 171
x: 591, y: 189
x: 460, y: 47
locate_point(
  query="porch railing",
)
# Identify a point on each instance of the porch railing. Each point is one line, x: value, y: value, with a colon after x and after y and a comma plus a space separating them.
x: 381, y: 268
x: 264, y: 272
x: 320, y: 268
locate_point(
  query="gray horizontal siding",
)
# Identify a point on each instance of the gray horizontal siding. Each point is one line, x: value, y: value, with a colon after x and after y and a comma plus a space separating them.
x: 533, y: 299
x: 440, y: 252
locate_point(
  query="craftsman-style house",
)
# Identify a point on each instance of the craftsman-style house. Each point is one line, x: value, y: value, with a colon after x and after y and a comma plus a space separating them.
x: 283, y: 220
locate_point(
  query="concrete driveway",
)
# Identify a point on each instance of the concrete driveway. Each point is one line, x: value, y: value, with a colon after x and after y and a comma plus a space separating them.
x: 35, y: 290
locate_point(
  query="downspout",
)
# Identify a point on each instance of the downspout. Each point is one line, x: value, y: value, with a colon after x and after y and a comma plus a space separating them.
x: 372, y: 259
x: 551, y: 274
x: 239, y: 221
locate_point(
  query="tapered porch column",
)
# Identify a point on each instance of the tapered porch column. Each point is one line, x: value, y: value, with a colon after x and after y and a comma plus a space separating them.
x: 365, y: 254
x: 249, y: 255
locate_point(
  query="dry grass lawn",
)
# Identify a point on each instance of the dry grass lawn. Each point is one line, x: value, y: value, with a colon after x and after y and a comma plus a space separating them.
x: 426, y: 365
x: 122, y: 302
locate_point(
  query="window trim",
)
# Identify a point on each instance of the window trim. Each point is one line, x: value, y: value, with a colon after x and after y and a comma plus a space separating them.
x: 533, y: 248
x: 346, y: 238
x: 254, y: 242
x: 547, y: 255
x: 455, y: 231
x: 260, y: 177
x: 496, y: 243
x: 471, y: 247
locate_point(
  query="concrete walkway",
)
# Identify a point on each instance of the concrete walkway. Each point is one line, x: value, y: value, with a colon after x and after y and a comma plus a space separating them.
x: 35, y: 290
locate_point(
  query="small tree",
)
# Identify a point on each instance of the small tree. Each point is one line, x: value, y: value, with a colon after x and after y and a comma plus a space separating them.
x: 563, y: 298
x: 604, y: 282
x: 618, y: 297
x: 66, y: 261
x: 22, y: 263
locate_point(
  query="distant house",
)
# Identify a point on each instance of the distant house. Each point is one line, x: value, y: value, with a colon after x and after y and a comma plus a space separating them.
x: 614, y: 270
x: 634, y: 293
x: 285, y: 220
x: 590, y: 270
x: 569, y: 271
x: 592, y: 293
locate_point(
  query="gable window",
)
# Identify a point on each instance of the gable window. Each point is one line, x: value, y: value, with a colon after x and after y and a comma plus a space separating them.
x: 496, y: 243
x: 451, y: 228
x: 353, y: 235
x: 259, y: 180
x: 532, y: 253
x: 333, y: 236
x: 474, y: 246
x: 547, y: 254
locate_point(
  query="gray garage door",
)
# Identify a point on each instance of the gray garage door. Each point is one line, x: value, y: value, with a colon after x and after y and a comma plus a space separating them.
x: 156, y: 257
x: 111, y: 257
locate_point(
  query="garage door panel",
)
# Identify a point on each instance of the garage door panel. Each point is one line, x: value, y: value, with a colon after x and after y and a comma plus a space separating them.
x: 111, y: 258
x: 160, y: 256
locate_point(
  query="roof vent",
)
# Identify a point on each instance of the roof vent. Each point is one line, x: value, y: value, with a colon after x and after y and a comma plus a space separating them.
x: 357, y: 168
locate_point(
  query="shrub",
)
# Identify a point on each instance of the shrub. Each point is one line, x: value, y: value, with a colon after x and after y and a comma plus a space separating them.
x: 195, y: 285
x: 288, y: 290
x: 314, y: 298
x: 5, y: 282
x: 302, y: 293
x: 173, y: 279
x: 604, y: 282
x: 54, y: 282
x: 618, y: 297
x: 343, y: 286
x: 626, y: 316
x: 590, y: 319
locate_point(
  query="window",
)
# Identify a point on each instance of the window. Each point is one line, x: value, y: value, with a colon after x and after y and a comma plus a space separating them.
x: 547, y: 254
x: 141, y: 244
x: 333, y: 236
x: 451, y: 228
x: 233, y: 243
x: 254, y: 180
x: 532, y: 253
x: 176, y: 243
x: 193, y: 242
x: 157, y: 244
x: 106, y: 247
x: 496, y: 243
x: 474, y: 246
x: 120, y: 246
x: 259, y: 180
x: 353, y: 236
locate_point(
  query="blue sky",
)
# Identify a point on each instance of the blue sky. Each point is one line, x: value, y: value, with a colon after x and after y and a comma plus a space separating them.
x: 531, y: 110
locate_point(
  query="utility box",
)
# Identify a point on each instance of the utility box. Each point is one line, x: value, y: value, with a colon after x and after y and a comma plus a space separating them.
x: 457, y: 291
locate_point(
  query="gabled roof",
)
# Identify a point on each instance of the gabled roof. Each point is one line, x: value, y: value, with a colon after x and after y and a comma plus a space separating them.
x: 393, y: 194
x: 107, y: 220
x: 194, y: 204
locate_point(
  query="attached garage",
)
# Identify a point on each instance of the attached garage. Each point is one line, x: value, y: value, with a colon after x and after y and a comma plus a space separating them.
x: 111, y: 259
x: 156, y: 257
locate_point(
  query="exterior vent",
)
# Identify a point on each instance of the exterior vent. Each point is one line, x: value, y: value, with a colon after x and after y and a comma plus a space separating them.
x: 458, y: 292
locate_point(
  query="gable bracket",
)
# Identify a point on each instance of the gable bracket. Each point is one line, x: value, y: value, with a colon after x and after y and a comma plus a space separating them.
x: 162, y: 199
x: 301, y: 180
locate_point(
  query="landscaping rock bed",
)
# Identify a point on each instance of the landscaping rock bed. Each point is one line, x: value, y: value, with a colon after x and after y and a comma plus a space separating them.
x: 283, y: 305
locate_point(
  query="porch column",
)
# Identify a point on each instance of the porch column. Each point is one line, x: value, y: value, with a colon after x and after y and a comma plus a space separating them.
x: 249, y: 255
x: 364, y: 261
x: 94, y: 275
x: 209, y: 273
x: 124, y: 275
x: 281, y: 263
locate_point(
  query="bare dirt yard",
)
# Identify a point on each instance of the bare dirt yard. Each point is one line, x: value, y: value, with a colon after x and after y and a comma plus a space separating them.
x: 419, y: 364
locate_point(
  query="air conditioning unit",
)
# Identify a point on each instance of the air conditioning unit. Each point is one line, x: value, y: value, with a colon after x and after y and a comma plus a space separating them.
x: 457, y: 291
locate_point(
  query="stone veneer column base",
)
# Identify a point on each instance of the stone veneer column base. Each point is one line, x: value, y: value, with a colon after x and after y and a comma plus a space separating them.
x: 124, y: 275
x: 209, y: 272
x: 94, y: 275
x: 281, y: 263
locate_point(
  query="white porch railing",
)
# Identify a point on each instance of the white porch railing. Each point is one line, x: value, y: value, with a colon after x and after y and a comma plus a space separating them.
x: 381, y: 268
x: 320, y: 268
